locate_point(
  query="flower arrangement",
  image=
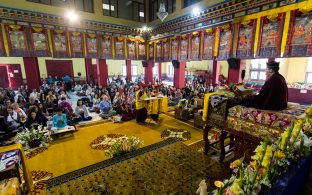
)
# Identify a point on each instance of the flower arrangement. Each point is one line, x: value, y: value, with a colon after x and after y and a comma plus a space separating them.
x: 34, y: 138
x: 270, y: 160
x: 123, y: 145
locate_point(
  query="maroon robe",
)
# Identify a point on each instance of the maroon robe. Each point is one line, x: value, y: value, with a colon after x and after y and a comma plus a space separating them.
x: 272, y: 96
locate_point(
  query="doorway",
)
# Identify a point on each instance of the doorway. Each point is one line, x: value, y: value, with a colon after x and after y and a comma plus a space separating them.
x: 11, y: 75
x: 60, y: 68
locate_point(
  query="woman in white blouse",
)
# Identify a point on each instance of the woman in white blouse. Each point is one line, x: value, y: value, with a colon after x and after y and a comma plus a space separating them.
x: 81, y: 112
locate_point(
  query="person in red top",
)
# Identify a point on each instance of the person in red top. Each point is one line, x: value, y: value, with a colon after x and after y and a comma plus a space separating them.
x: 274, y: 93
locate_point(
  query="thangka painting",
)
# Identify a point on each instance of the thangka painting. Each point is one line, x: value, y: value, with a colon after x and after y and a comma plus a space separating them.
x: 2, y: 50
x: 142, y: 50
x: 39, y: 42
x: 119, y: 48
x: 208, y: 44
x: 92, y: 45
x: 174, y: 48
x: 299, y: 42
x: 131, y: 47
x: 183, y: 47
x: 195, y: 46
x: 60, y: 43
x: 151, y: 50
x: 270, y: 37
x: 106, y: 47
x: 159, y: 56
x: 246, y: 37
x: 166, y: 50
x: 225, y: 43
x: 76, y: 44
x: 17, y: 40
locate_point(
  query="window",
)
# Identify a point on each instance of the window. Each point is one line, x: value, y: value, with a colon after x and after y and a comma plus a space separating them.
x: 309, y: 72
x: 134, y: 70
x: 155, y: 70
x: 170, y: 70
x: 81, y: 5
x: 131, y: 10
x: 110, y: 8
x: 154, y: 7
x: 257, y: 69
x: 187, y: 3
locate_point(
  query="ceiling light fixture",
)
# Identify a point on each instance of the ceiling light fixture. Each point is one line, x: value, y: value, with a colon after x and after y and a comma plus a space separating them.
x: 162, y: 14
x: 72, y: 16
x: 196, y: 11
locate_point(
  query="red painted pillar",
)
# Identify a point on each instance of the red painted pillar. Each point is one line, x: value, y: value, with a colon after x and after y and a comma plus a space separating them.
x: 215, y: 72
x: 32, y: 73
x: 235, y: 74
x: 179, y: 75
x: 148, y: 74
x: 159, y: 72
x: 102, y: 72
x: 89, y: 71
x: 129, y: 70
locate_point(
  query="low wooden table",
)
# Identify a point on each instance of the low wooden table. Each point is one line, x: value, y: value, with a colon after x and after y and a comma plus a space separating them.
x: 63, y: 132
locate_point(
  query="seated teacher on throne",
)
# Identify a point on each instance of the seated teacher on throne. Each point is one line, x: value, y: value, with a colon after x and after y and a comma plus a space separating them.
x: 274, y: 93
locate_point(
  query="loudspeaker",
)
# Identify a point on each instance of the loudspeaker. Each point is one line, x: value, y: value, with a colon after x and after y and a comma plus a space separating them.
x: 243, y: 74
x: 175, y: 63
x: 234, y: 63
x: 144, y: 64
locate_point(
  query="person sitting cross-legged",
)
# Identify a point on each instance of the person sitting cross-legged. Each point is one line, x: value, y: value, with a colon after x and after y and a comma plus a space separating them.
x: 106, y: 108
x: 59, y: 120
x: 81, y: 112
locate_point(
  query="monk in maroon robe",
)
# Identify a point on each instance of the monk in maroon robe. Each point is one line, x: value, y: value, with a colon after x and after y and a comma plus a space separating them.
x: 274, y: 93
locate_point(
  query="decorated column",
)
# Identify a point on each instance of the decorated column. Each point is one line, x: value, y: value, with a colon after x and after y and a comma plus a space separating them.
x: 32, y: 73
x: 215, y: 72
x: 129, y: 70
x: 102, y: 72
x: 148, y: 74
x: 235, y: 74
x: 89, y: 71
x: 179, y: 75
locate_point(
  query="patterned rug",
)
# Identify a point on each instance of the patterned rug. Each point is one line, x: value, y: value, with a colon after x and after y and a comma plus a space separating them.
x: 182, y: 135
x: 167, y: 167
x: 35, y: 152
x: 40, y: 179
x: 104, y: 142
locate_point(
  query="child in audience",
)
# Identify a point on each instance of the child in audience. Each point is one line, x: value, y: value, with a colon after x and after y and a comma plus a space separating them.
x: 59, y: 120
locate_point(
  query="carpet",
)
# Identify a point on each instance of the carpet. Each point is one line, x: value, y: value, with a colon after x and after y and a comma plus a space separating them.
x: 167, y: 167
x: 72, y: 153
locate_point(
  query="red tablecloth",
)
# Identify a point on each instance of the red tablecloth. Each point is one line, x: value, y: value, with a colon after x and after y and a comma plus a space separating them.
x: 296, y: 95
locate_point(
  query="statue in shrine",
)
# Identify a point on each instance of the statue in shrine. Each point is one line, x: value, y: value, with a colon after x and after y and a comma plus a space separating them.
x: 202, y: 189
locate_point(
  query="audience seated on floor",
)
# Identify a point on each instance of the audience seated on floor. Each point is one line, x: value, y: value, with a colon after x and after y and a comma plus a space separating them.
x: 106, y: 108
x: 82, y: 112
x: 59, y: 120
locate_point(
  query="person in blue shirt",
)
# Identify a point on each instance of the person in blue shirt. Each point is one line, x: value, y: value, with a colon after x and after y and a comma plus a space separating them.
x: 67, y: 81
x: 59, y: 120
x: 50, y: 80
x: 106, y: 108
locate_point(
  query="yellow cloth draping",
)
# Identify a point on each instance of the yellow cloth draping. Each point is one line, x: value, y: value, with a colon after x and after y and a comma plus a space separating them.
x: 69, y: 48
x: 285, y: 30
x: 5, y: 41
x: 26, y: 173
x: 153, y: 106
x: 50, y: 41
x: 139, y: 104
x: 206, y: 104
x: 257, y: 35
x: 85, y: 51
x: 164, y: 104
x: 113, y: 47
x: 216, y: 46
